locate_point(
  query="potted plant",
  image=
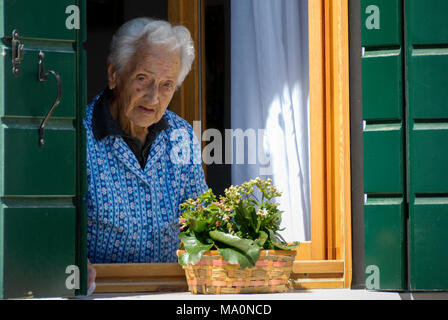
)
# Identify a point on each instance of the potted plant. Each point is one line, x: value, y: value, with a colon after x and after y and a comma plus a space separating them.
x: 232, y: 245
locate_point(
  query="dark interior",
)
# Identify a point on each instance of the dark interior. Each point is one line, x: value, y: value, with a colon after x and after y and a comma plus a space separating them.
x: 217, y: 56
x: 104, y: 17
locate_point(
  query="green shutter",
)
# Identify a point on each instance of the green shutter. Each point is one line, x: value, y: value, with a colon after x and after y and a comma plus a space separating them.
x: 383, y: 145
x: 405, y: 143
x: 41, y: 212
x: 427, y: 95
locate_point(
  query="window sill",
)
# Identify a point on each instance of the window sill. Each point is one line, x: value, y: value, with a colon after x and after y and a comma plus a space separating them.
x: 140, y: 277
x: 170, y: 277
x: 312, y: 294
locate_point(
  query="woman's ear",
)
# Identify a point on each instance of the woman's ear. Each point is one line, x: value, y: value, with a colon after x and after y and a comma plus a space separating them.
x: 111, y: 76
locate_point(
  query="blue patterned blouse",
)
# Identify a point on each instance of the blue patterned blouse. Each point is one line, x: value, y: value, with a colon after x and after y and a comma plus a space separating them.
x: 132, y: 214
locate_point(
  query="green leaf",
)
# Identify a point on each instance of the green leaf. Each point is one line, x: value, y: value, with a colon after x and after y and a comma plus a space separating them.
x: 246, y: 218
x: 261, y: 239
x: 235, y: 257
x: 197, y: 225
x: 240, y: 220
x: 194, y: 249
x: 252, y: 216
x: 274, y: 221
x: 282, y: 246
x: 279, y: 244
x: 245, y: 212
x: 246, y: 246
x: 231, y: 240
x: 183, y: 259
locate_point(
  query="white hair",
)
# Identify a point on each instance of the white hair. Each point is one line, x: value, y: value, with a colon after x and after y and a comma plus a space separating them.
x: 131, y: 34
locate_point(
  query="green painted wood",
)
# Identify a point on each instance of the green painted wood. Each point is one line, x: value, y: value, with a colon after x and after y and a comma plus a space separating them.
x: 425, y: 154
x: 43, y: 19
x: 25, y: 96
x: 428, y: 94
x: 385, y: 245
x: 427, y: 21
x: 40, y: 245
x: 389, y: 32
x: 35, y: 170
x: 382, y: 85
x: 383, y: 159
x: 426, y: 84
x: 428, y: 160
x: 81, y: 221
x: 429, y: 236
x: 2, y: 255
x: 42, y: 216
x: 383, y: 141
x: 2, y: 173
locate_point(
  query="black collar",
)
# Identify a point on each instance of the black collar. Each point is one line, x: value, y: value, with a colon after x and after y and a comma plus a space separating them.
x: 103, y: 125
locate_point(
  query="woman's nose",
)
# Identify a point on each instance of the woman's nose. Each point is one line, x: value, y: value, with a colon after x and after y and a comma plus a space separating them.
x: 152, y: 93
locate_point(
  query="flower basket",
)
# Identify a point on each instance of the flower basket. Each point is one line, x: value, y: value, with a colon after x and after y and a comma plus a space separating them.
x: 233, y: 245
x: 213, y: 275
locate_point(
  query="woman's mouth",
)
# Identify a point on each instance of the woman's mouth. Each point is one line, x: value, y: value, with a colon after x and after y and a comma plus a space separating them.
x: 146, y: 111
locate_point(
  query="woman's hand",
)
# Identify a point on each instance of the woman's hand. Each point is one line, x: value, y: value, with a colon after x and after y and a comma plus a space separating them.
x: 91, y: 275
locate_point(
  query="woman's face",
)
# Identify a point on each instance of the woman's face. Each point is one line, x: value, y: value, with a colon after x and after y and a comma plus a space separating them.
x: 145, y: 88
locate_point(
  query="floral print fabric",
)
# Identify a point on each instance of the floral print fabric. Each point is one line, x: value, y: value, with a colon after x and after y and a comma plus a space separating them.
x: 132, y: 214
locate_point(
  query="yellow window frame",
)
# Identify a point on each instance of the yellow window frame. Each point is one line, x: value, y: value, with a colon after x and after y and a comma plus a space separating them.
x: 326, y: 260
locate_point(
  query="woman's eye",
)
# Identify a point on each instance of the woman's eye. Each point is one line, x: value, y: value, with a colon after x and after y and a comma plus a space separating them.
x: 141, y: 78
x: 168, y: 85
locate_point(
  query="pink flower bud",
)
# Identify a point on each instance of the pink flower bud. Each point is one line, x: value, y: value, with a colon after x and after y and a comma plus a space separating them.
x: 218, y: 223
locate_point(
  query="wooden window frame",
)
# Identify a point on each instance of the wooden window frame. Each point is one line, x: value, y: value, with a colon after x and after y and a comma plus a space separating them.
x: 330, y: 134
x: 326, y: 260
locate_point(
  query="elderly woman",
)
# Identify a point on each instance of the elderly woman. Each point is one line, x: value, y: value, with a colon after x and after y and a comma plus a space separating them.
x: 136, y: 181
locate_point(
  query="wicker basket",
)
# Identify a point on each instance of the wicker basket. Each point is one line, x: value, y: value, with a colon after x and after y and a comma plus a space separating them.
x: 213, y: 275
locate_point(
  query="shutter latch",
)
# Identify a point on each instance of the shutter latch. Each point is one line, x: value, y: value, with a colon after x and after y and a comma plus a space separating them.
x: 43, y: 76
x: 17, y: 52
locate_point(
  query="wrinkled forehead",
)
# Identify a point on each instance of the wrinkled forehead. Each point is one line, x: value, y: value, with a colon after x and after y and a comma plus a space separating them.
x: 156, y: 58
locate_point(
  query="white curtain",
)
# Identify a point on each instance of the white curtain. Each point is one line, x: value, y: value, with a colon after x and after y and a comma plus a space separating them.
x: 270, y: 91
